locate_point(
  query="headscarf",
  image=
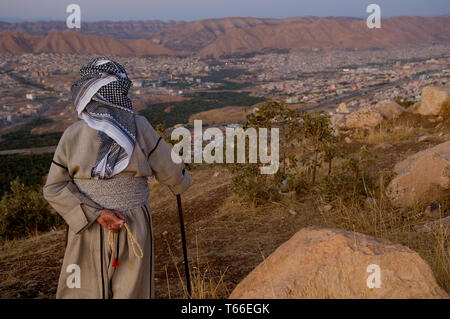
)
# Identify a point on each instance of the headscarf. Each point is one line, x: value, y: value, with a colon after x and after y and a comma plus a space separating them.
x: 100, y: 99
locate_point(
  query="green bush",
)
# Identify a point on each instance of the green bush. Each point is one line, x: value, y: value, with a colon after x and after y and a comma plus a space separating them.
x: 403, y: 101
x: 24, y: 212
x: 30, y: 169
x: 23, y: 138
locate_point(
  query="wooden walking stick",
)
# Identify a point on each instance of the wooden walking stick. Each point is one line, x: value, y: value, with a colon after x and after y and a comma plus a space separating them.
x: 183, y: 239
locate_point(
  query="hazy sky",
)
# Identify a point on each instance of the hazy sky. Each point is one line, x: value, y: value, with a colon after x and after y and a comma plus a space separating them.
x: 200, y: 9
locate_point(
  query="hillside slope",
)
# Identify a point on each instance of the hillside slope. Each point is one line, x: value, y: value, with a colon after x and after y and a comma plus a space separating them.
x: 72, y: 42
x: 331, y: 33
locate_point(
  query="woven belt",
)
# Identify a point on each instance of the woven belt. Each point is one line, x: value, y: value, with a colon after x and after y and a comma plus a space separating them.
x: 119, y: 193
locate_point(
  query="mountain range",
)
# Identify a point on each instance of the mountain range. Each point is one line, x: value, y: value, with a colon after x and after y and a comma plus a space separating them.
x: 221, y: 37
x: 72, y: 42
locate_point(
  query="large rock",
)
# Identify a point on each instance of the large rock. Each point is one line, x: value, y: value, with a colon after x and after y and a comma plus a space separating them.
x: 433, y: 101
x: 342, y: 108
x: 338, y: 122
x: 365, y: 117
x: 421, y: 176
x: 435, y: 226
x: 389, y: 109
x: 331, y: 263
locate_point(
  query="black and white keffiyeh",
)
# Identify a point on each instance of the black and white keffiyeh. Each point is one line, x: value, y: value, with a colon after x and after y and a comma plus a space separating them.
x: 100, y: 98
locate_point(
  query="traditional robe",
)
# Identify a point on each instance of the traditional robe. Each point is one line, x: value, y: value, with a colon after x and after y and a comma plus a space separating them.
x: 87, y: 245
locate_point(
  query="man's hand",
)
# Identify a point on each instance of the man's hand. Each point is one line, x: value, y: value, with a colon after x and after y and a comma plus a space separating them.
x: 111, y: 220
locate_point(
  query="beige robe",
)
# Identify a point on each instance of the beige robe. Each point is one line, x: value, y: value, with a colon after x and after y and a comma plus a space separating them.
x: 87, y: 245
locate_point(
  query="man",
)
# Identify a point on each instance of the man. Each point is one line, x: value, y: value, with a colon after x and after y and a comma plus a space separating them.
x: 98, y: 184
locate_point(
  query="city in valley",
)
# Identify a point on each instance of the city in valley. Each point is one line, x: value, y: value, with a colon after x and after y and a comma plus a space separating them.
x: 38, y: 85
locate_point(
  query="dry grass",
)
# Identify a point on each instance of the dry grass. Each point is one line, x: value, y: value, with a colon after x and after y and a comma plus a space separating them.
x: 29, y: 268
x: 404, y: 128
x: 206, y: 283
x: 228, y: 114
x: 391, y: 134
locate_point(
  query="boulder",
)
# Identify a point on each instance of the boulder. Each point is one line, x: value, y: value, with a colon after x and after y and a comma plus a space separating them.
x: 421, y: 176
x: 434, y: 101
x: 435, y: 226
x: 384, y: 146
x: 342, y: 108
x: 389, y: 109
x: 332, y: 263
x: 365, y: 117
x: 338, y: 122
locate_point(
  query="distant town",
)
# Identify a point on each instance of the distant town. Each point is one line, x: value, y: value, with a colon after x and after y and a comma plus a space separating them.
x: 37, y: 85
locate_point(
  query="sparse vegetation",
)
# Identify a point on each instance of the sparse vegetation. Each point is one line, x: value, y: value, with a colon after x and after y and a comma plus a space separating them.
x: 25, y: 212
x: 198, y: 102
x: 24, y: 139
x: 404, y: 101
x: 307, y: 141
x: 445, y: 111
x: 30, y: 169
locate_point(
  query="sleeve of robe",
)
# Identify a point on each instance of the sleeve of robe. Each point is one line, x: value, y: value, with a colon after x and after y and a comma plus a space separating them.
x: 78, y: 211
x: 159, y: 157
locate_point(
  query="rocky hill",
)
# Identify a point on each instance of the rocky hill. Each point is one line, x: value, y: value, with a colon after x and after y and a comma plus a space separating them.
x: 331, y: 33
x: 73, y: 42
x: 196, y: 35
x: 221, y: 37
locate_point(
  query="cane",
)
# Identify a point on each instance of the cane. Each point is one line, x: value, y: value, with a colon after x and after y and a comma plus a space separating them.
x: 183, y: 239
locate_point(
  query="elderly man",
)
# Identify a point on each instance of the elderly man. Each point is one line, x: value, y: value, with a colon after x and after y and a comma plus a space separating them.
x: 98, y: 184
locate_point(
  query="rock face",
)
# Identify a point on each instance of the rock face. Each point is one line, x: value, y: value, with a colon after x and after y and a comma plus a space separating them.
x: 342, y: 108
x: 368, y: 117
x: 365, y: 117
x: 433, y: 101
x: 435, y: 226
x: 420, y: 176
x: 331, y: 263
x: 389, y: 109
x: 338, y: 122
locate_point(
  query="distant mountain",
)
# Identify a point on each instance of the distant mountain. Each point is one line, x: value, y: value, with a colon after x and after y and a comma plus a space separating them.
x: 194, y: 36
x: 327, y: 33
x: 73, y: 42
x: 222, y: 37
x: 117, y: 29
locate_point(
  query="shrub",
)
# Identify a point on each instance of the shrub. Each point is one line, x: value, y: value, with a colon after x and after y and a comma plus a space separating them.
x: 24, y: 212
x: 403, y: 101
x: 445, y: 110
x: 310, y: 131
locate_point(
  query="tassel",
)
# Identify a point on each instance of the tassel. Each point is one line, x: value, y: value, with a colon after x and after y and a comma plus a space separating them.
x: 115, y: 263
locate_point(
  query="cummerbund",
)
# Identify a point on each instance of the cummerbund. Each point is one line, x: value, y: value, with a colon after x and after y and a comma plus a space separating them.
x: 119, y: 193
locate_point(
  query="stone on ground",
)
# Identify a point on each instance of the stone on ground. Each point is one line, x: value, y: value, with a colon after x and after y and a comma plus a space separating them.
x: 365, y: 117
x: 332, y: 263
x: 434, y: 99
x: 421, y: 177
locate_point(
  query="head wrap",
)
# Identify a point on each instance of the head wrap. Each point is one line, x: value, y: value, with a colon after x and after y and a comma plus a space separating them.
x: 100, y: 99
